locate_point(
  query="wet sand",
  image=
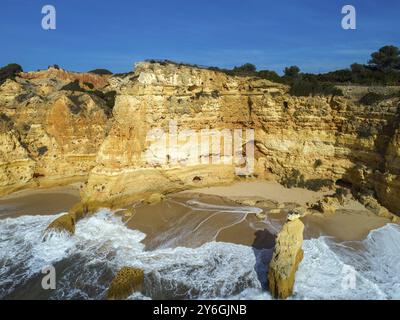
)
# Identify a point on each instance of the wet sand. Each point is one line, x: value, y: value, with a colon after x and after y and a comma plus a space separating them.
x: 39, y: 202
x: 190, y: 220
x: 350, y: 223
x: 263, y: 190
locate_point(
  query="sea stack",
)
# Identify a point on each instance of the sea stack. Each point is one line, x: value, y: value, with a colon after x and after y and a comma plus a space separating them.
x: 286, y: 258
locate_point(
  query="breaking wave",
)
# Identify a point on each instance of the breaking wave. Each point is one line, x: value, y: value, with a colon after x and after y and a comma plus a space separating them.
x: 86, y: 263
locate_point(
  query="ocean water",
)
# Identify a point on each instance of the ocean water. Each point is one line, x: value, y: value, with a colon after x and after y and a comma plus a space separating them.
x: 86, y: 263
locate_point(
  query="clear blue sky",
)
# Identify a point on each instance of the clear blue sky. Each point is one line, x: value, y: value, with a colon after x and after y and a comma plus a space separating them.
x: 271, y: 34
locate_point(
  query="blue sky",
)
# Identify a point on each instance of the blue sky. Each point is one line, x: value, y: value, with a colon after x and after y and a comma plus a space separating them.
x: 271, y: 34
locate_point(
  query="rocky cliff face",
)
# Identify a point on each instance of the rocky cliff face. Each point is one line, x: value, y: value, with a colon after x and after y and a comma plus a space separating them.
x: 309, y: 140
x: 132, y: 164
x: 49, y: 136
x: 316, y: 138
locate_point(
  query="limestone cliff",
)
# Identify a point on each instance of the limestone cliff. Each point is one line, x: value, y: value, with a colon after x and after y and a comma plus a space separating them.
x: 321, y: 138
x: 49, y: 136
x: 54, y: 136
x: 130, y: 165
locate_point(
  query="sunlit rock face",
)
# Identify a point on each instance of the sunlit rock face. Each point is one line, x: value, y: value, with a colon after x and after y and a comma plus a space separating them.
x: 321, y: 137
x: 175, y: 127
x: 49, y: 136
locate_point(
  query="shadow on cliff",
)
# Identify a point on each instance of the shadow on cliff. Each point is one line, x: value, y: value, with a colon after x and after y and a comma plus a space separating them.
x: 263, y: 247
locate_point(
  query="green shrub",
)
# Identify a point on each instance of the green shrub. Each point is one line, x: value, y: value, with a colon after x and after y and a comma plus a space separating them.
x: 366, y: 130
x: 318, y: 184
x: 42, y: 150
x: 292, y: 72
x: 247, y: 69
x: 9, y: 72
x: 307, y: 88
x: 269, y: 75
x: 89, y: 85
x: 73, y: 86
x: 371, y: 98
x: 317, y: 163
x: 293, y: 180
x: 101, y: 72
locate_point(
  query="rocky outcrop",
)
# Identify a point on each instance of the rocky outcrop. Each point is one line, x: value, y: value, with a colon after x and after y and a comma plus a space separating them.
x: 126, y: 281
x: 373, y: 205
x: 286, y: 258
x: 297, y: 213
x: 64, y: 223
x: 326, y: 205
x: 154, y: 198
x: 49, y: 136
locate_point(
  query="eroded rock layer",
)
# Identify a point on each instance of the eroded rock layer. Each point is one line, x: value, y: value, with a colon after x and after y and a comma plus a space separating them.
x: 320, y: 139
x: 49, y: 136
x: 52, y: 135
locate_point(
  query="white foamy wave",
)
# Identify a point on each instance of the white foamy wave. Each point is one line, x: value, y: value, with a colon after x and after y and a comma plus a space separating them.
x: 87, y: 262
x: 102, y: 244
x: 377, y: 258
x: 355, y: 270
x: 23, y: 251
x: 201, y: 206
x: 213, y: 270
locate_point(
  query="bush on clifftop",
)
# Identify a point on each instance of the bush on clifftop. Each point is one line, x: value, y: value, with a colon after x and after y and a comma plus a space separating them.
x: 9, y: 72
x: 101, y: 72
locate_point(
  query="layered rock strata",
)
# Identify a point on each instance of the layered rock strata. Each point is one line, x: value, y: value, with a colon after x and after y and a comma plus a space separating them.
x: 49, y: 136
x: 53, y: 136
x: 321, y: 139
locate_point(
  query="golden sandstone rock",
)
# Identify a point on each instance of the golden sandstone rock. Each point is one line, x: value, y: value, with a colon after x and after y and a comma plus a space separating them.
x: 154, y: 198
x: 286, y: 258
x: 127, y: 281
x: 64, y: 223
x: 54, y: 137
x: 327, y: 205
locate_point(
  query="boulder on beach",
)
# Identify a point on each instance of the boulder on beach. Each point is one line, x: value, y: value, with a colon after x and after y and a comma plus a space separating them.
x: 64, y: 223
x: 286, y: 258
x: 373, y: 205
x: 155, y: 198
x: 126, y: 281
x: 327, y: 205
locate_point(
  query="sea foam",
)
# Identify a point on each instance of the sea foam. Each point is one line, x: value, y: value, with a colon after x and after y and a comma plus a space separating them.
x: 86, y: 263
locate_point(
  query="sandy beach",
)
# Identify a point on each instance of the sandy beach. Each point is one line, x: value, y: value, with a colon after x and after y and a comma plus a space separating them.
x: 192, y: 218
x: 263, y: 190
x: 206, y: 231
x: 351, y: 222
x: 39, y: 202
